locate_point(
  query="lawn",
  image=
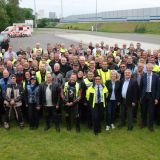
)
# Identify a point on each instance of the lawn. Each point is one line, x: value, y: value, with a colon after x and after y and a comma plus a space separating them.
x: 118, y: 144
x: 115, y: 27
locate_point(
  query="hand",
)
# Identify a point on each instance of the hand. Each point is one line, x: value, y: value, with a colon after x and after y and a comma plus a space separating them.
x: 67, y: 104
x: 38, y: 107
x: 12, y: 102
x: 70, y: 104
x: 156, y: 101
x: 57, y: 107
x: 133, y: 104
x: 118, y: 103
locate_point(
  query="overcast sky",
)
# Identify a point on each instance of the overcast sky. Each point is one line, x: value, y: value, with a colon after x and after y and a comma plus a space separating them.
x: 71, y: 7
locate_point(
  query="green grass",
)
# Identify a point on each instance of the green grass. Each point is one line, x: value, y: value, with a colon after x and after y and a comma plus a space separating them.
x: 118, y: 144
x: 116, y: 27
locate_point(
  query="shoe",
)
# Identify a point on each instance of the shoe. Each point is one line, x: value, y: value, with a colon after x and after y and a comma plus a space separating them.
x: 46, y: 128
x: 6, y: 125
x: 130, y: 128
x: 112, y: 126
x: 107, y: 128
x: 151, y: 129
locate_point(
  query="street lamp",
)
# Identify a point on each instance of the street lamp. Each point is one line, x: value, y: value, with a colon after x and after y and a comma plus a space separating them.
x: 96, y: 16
x: 35, y: 18
x: 61, y: 9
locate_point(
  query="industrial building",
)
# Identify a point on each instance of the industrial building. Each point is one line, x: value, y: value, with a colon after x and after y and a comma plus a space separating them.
x: 132, y: 15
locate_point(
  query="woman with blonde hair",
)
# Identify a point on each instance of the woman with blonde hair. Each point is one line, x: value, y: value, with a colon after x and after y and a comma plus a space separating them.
x: 113, y: 86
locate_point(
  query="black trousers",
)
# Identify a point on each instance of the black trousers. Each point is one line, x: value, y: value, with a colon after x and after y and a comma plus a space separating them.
x: 148, y: 107
x: 18, y: 114
x: 75, y: 112
x: 52, y: 114
x: 33, y: 116
x: 96, y: 117
x: 126, y: 112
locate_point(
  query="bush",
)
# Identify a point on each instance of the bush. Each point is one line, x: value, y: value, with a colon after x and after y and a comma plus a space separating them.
x: 140, y: 28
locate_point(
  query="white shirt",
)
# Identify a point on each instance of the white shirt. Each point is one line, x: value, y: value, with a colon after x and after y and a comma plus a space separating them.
x: 113, y: 93
x: 48, y: 96
x: 125, y: 88
x: 150, y: 85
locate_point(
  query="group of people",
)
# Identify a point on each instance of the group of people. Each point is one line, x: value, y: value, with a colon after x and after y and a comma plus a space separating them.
x: 96, y: 84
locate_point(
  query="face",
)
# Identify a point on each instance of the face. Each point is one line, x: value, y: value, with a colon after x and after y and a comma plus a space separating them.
x: 98, y: 80
x: 33, y: 81
x: 104, y: 65
x: 49, y: 78
x: 140, y: 67
x: 149, y: 68
x: 43, y: 67
x: 5, y: 74
x: 13, y: 80
x: 56, y: 68
x: 82, y: 61
x: 90, y: 75
x: 92, y: 64
x: 127, y: 74
x: 113, y: 75
x: 73, y: 78
x: 80, y: 74
x: 76, y: 68
x: 27, y: 75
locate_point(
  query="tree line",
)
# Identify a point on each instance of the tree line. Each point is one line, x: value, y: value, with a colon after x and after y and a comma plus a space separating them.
x: 10, y: 13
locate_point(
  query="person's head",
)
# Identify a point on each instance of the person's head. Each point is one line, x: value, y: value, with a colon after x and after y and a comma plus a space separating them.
x: 90, y: 75
x: 63, y: 61
x: 127, y: 74
x: 88, y: 51
x: 117, y: 59
x: 152, y: 60
x: 37, y: 45
x: 114, y: 75
x: 28, y: 50
x: 73, y: 78
x: 92, y: 64
x: 43, y: 67
x: 56, y: 67
x: 158, y: 56
x: 149, y: 67
x: 49, y: 78
x: 82, y: 60
x: 10, y: 49
x: 80, y: 74
x: 56, y: 56
x: 5, y: 73
x: 19, y: 68
x: 33, y: 80
x: 110, y: 58
x: 98, y: 80
x: 122, y: 67
x: 140, y: 67
x: 124, y: 46
x: 138, y: 46
x: 130, y: 60
x: 9, y: 64
x: 27, y: 75
x: 104, y: 65
x: 75, y: 66
x: 26, y: 65
x: 13, y: 79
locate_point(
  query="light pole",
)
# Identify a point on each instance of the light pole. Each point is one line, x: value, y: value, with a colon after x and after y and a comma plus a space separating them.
x: 35, y: 19
x: 96, y: 16
x: 61, y: 9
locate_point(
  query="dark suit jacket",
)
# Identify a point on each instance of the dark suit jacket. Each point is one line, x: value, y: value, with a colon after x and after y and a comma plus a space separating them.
x: 116, y: 89
x: 154, y: 87
x: 131, y: 95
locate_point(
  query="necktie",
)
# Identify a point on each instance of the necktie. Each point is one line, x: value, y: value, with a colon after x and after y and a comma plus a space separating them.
x: 99, y: 95
x: 148, y: 82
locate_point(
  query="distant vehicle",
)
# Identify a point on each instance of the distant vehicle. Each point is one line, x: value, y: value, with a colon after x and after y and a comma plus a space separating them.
x: 18, y: 31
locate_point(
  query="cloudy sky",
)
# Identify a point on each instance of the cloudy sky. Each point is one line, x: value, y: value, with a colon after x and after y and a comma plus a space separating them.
x: 71, y: 7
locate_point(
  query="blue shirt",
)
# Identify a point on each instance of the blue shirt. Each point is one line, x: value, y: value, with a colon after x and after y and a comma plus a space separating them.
x: 124, y: 88
x: 100, y: 89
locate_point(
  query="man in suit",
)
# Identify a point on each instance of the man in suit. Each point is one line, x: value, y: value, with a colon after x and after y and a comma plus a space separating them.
x: 149, y: 95
x: 129, y: 98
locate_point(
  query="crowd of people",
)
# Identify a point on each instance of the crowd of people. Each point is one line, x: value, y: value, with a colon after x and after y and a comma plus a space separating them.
x: 92, y: 84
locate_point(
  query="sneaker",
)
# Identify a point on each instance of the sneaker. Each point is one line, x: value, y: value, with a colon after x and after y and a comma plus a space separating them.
x: 6, y: 125
x: 107, y: 128
x: 112, y: 126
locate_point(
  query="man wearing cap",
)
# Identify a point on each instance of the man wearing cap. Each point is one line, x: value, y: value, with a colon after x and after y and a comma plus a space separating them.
x: 32, y: 101
x: 13, y: 100
x: 74, y: 70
